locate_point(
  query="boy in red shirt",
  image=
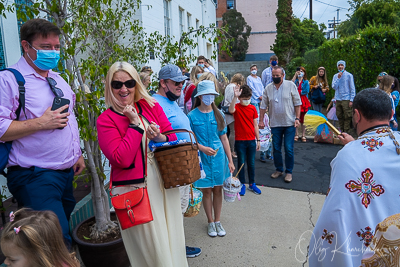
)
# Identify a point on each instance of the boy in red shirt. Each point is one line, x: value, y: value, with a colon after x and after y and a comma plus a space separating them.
x: 247, y: 140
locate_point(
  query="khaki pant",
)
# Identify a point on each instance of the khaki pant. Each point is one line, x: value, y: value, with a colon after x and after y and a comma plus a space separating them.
x: 344, y: 114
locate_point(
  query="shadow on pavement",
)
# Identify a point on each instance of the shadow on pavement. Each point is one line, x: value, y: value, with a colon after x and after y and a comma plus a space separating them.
x: 311, y: 171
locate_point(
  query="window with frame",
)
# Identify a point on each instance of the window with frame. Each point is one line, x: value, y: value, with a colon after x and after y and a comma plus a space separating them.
x: 181, y: 24
x: 189, y: 24
x: 167, y: 19
x: 20, y: 22
x: 198, y: 39
x: 230, y: 4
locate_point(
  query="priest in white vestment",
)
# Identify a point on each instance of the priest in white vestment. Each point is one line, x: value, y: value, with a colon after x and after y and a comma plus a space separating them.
x: 364, y: 187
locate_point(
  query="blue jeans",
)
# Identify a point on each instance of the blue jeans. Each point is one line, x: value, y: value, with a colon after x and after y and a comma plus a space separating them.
x: 246, y: 150
x: 44, y: 189
x: 287, y: 135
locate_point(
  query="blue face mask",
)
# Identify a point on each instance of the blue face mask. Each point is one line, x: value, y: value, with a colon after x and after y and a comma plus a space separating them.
x: 46, y: 59
x: 200, y: 65
x: 274, y: 63
x: 208, y: 99
x: 198, y: 75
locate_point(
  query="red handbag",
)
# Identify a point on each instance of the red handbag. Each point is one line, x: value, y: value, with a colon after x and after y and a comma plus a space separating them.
x: 133, y: 208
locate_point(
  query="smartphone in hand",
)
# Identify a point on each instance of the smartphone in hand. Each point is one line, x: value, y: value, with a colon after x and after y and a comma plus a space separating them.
x: 58, y: 102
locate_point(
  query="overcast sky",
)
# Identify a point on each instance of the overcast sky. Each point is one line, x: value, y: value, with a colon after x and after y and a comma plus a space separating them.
x: 321, y: 12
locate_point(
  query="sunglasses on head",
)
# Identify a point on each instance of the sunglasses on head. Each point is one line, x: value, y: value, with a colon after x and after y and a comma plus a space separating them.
x: 118, y: 85
x: 382, y: 74
x: 56, y: 91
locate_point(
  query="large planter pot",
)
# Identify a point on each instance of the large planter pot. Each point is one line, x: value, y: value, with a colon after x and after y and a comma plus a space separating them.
x: 101, y: 255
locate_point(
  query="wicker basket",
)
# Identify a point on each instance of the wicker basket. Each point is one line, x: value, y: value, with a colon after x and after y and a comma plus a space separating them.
x: 194, y: 203
x: 178, y: 164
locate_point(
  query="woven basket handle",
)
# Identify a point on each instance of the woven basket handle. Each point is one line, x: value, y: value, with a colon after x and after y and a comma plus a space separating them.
x: 195, y: 147
x: 191, y: 193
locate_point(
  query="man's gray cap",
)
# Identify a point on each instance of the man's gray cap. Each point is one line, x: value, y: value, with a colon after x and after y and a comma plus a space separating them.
x: 171, y: 72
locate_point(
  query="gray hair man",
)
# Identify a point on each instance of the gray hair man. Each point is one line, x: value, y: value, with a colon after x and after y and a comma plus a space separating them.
x: 283, y: 102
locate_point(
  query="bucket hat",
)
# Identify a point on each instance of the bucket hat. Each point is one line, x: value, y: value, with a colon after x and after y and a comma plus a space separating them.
x: 206, y: 87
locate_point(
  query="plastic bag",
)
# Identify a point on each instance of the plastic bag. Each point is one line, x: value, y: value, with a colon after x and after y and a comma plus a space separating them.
x: 265, y: 135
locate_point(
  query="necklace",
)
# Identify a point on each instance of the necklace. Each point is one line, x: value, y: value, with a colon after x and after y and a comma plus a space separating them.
x: 385, y: 130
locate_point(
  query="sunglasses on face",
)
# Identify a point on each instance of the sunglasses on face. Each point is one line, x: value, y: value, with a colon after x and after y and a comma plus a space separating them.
x: 128, y: 84
x: 56, y: 91
x: 178, y: 83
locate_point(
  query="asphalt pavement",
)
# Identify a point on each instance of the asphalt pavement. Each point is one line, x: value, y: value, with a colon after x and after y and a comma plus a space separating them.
x: 311, y: 172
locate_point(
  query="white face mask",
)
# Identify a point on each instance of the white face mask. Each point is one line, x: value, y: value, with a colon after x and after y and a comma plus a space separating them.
x: 301, y: 74
x: 245, y: 102
x: 208, y: 99
x: 254, y: 72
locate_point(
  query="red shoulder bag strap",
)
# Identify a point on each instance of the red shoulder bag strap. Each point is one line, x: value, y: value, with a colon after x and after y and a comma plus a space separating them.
x: 144, y: 142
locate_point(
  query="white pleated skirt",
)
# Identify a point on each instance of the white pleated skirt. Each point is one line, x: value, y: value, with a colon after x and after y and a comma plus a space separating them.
x: 160, y: 243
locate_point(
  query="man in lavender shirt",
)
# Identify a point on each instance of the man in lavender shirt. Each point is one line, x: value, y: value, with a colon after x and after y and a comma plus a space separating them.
x: 45, y: 152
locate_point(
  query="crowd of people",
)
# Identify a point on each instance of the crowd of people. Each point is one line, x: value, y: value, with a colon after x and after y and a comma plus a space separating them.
x: 138, y: 112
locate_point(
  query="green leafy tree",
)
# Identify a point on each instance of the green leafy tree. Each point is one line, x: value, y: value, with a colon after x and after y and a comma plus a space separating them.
x: 307, y: 35
x: 179, y: 52
x: 94, y: 35
x: 238, y: 31
x: 369, y: 52
x: 366, y: 12
x: 285, y: 46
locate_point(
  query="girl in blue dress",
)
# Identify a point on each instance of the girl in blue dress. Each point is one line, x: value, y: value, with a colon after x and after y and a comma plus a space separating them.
x: 208, y: 123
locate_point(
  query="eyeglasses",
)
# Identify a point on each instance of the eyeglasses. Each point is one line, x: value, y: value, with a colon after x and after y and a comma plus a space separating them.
x: 178, y: 83
x: 118, y: 85
x: 56, y: 91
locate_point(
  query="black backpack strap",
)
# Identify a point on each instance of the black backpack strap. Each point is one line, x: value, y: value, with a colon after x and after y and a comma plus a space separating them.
x: 21, y: 88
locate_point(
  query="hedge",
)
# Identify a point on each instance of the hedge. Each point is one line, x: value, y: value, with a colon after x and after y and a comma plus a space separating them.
x: 369, y: 52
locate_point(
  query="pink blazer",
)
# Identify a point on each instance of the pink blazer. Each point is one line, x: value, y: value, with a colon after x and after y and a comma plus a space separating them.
x: 122, y: 145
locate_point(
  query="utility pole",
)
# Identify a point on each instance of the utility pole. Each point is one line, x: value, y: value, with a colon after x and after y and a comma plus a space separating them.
x: 334, y: 24
x: 310, y: 9
x: 338, y: 14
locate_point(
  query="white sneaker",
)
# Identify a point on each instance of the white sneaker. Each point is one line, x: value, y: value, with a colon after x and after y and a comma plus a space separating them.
x: 211, y: 230
x: 220, y: 230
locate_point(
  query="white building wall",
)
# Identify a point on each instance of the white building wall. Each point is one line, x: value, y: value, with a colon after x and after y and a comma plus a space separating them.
x: 151, y: 15
x: 153, y: 20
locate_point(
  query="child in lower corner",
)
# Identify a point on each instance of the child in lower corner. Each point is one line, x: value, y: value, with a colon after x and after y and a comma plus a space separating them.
x: 247, y: 140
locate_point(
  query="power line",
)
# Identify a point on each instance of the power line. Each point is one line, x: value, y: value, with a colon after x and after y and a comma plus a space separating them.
x: 324, y: 11
x: 304, y: 10
x: 299, y: 6
x: 330, y: 5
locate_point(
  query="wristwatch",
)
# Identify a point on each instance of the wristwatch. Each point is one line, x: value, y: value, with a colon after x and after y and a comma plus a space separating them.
x: 297, y: 119
x: 131, y: 125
